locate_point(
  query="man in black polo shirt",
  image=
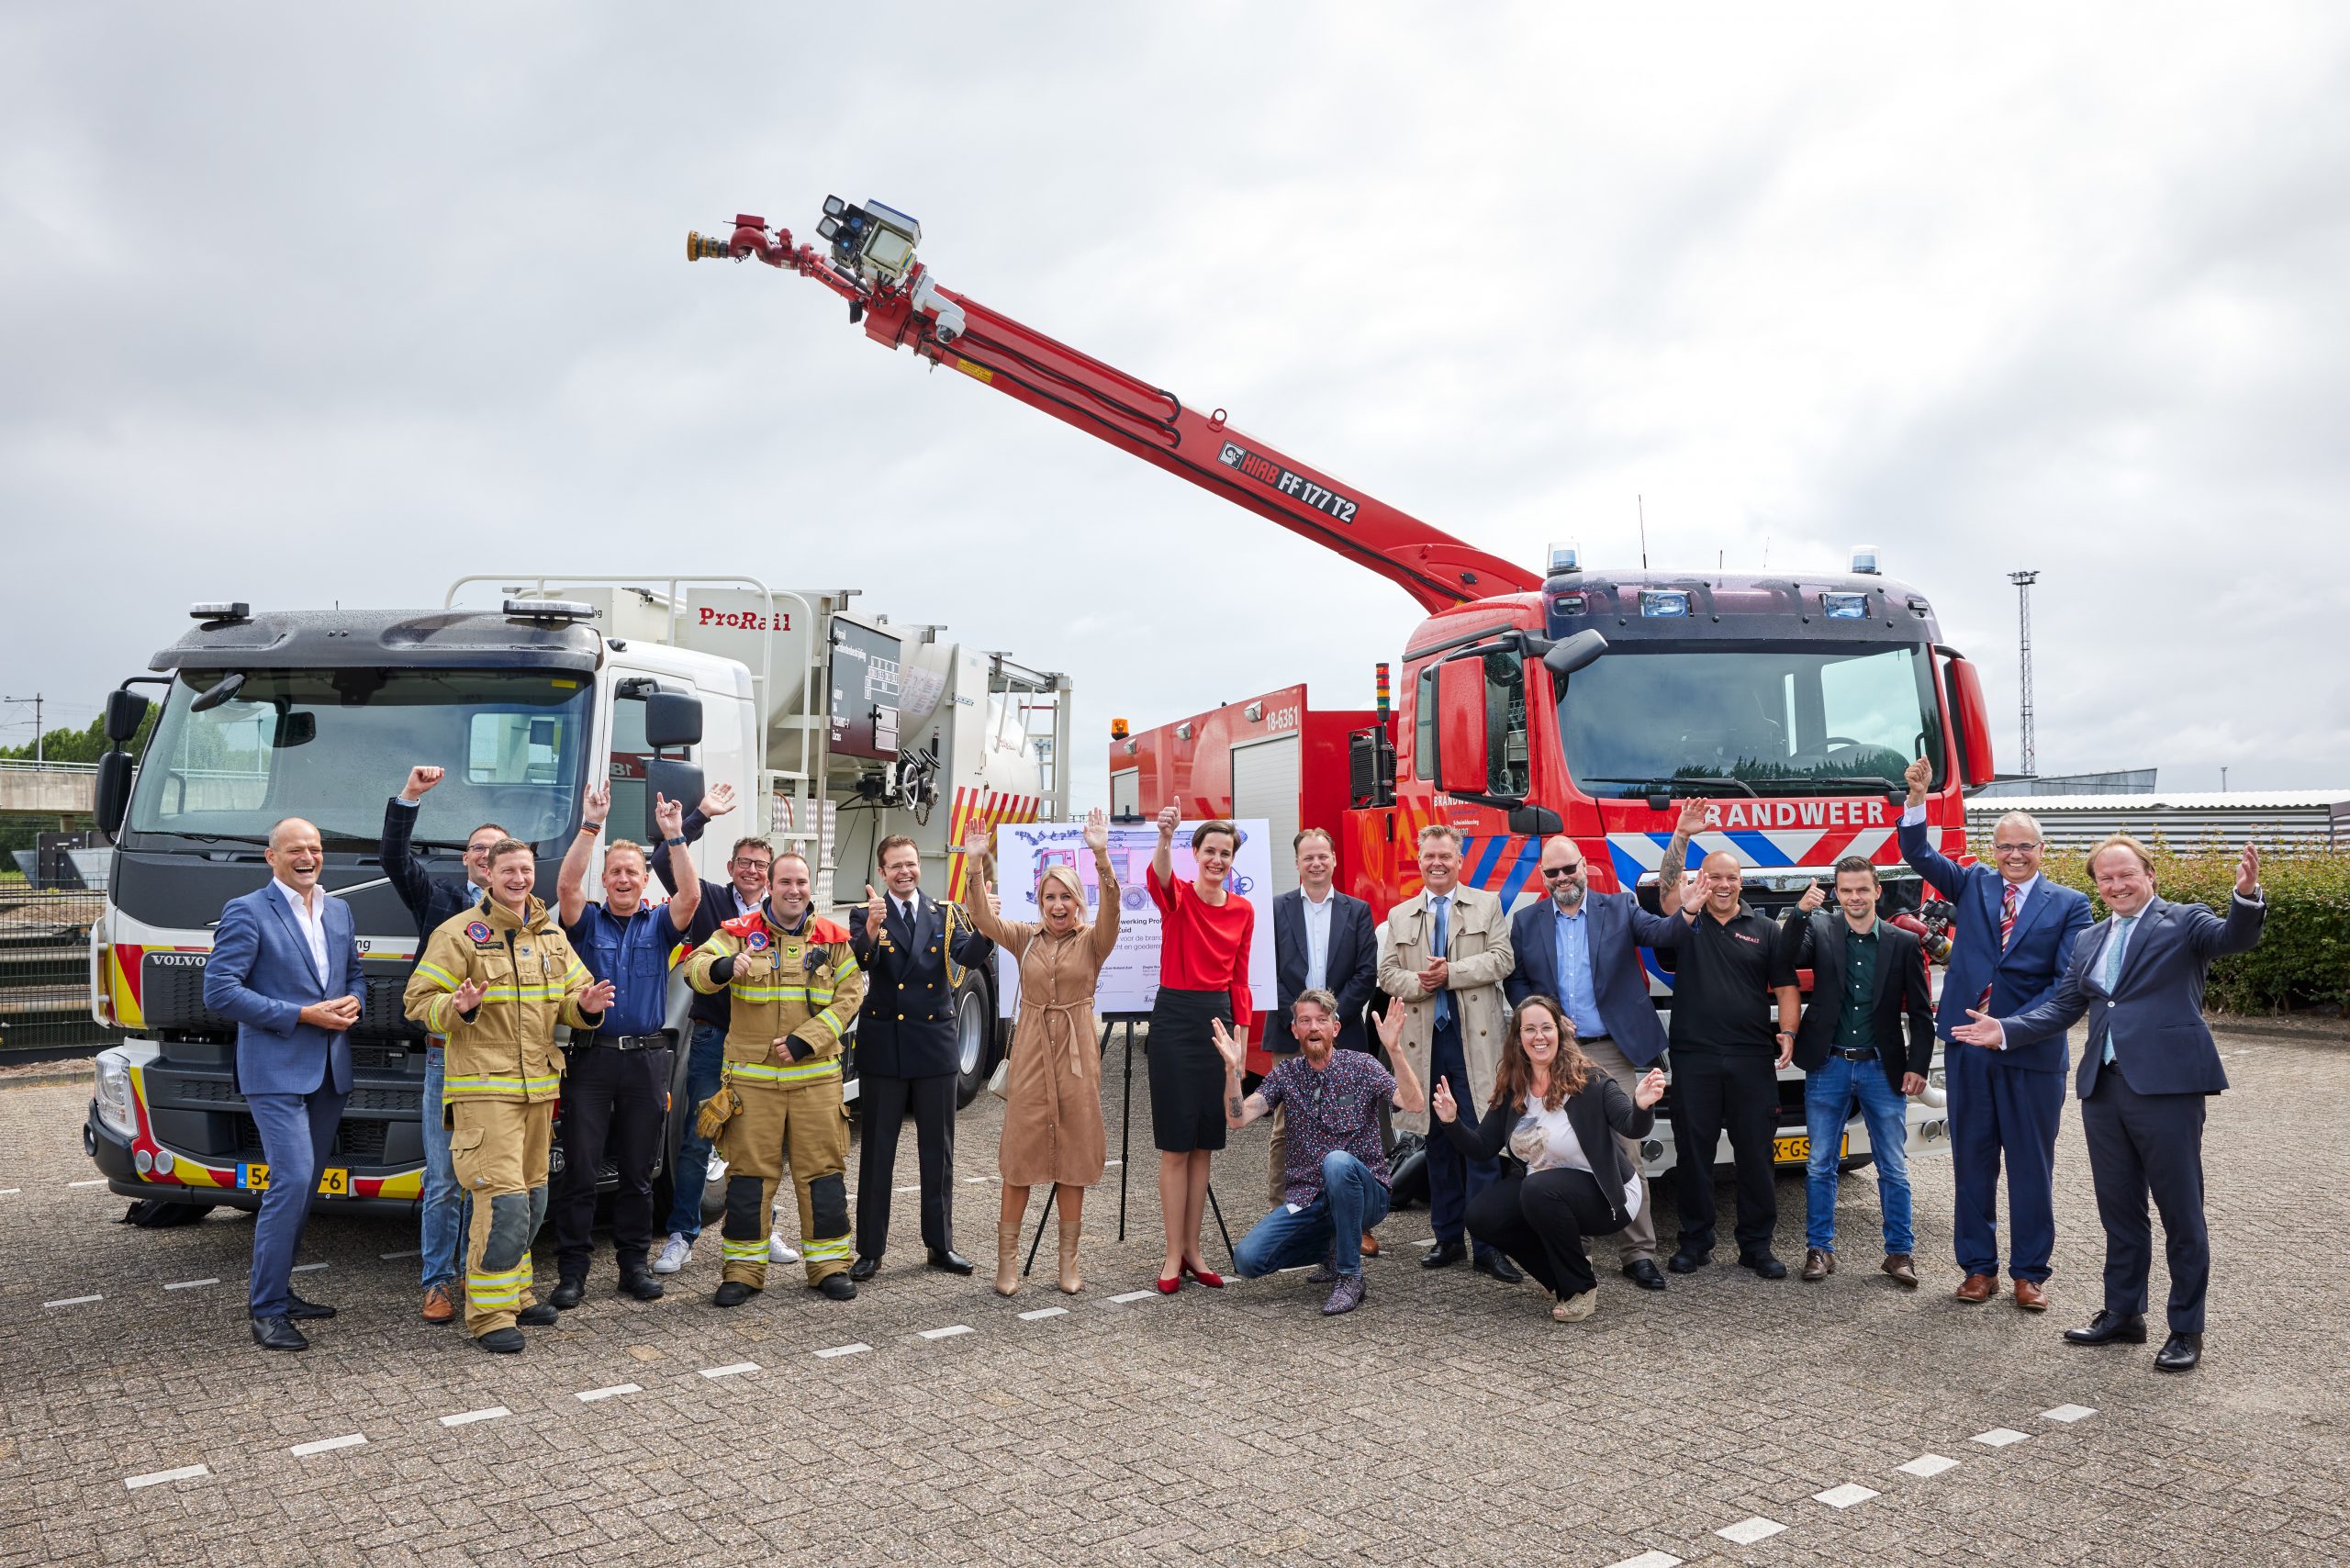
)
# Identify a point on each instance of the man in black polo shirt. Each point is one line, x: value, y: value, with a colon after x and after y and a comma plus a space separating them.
x: 1725, y: 1064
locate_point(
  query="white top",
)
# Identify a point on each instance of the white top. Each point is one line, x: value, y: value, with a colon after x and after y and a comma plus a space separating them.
x: 1318, y: 937
x: 311, y: 919
x: 1545, y: 1140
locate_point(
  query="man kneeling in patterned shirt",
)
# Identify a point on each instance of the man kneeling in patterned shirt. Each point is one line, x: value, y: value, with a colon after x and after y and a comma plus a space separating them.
x: 1334, y: 1174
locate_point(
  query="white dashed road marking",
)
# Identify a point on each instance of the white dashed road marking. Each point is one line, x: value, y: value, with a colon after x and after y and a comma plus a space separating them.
x: 1926, y: 1466
x: 324, y: 1445
x: 305, y: 1267
x: 190, y: 1284
x: 915, y: 1188
x: 971, y: 1181
x: 9, y: 1191
x: 1043, y: 1312
x: 1745, y: 1532
x: 858, y: 1349
x: 2069, y: 1413
x: 1998, y: 1436
x: 1648, y: 1560
x: 156, y: 1478
x: 732, y: 1368
x: 75, y: 1301
x: 100, y: 1182
x: 494, y: 1412
x: 946, y: 1332
x: 396, y: 1257
x: 1130, y: 1295
x: 590, y: 1395
x: 1843, y: 1497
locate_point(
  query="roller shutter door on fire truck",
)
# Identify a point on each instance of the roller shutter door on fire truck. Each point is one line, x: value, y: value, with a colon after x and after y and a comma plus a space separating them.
x: 1125, y: 793
x: 1266, y: 783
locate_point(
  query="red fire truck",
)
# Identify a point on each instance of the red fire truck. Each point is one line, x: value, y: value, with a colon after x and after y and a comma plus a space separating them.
x: 1576, y: 701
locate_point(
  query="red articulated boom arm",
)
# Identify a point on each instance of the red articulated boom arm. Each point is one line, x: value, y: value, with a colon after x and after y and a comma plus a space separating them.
x: 871, y: 264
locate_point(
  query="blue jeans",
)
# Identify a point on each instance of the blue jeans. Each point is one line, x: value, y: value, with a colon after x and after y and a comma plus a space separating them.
x: 439, y: 1210
x: 1828, y: 1090
x: 705, y: 1070
x: 1352, y: 1201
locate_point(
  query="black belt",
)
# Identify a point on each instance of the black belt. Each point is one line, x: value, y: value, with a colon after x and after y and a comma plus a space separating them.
x: 1865, y: 1053
x: 656, y: 1042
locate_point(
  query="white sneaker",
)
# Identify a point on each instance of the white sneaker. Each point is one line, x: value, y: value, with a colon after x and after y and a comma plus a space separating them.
x: 778, y: 1252
x: 673, y: 1254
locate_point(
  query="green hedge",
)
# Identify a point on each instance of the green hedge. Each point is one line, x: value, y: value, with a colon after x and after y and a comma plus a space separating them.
x: 2303, y: 960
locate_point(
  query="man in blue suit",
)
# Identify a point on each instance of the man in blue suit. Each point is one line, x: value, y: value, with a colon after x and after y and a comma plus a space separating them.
x: 2015, y: 937
x: 1581, y: 949
x: 1323, y: 940
x: 285, y: 966
x: 2149, y: 1066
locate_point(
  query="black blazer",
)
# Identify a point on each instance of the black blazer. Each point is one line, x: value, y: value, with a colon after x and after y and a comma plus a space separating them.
x: 1817, y: 943
x: 907, y: 1026
x: 1352, y: 967
x: 1601, y: 1113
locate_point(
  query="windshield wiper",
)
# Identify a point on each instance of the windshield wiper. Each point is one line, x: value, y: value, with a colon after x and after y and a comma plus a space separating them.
x: 262, y: 842
x: 1686, y: 786
x: 1831, y: 783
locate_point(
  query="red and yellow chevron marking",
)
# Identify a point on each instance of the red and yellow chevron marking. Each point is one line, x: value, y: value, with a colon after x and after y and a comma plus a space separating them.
x: 985, y: 806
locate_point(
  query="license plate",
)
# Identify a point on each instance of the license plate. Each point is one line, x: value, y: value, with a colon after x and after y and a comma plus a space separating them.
x: 1797, y: 1149
x: 334, y: 1181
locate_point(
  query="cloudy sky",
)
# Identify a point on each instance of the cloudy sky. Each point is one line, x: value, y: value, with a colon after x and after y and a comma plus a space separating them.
x: 300, y: 306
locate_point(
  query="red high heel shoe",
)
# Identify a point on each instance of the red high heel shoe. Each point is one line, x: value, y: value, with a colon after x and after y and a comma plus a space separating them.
x: 1214, y: 1281
x: 1169, y: 1287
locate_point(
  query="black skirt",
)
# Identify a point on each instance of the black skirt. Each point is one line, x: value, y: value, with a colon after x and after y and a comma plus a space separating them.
x: 1186, y: 1071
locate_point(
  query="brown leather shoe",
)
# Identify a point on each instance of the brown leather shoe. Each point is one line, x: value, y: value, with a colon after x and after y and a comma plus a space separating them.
x: 1817, y: 1264
x: 1369, y: 1245
x: 1978, y: 1288
x: 2031, y: 1297
x: 1902, y: 1268
x: 437, y: 1307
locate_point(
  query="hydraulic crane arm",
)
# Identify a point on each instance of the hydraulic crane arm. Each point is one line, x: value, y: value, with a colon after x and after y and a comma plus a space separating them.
x: 871, y: 264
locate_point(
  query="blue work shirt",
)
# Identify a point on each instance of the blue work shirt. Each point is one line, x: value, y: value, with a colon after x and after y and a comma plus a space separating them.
x: 634, y: 954
x: 1572, y: 950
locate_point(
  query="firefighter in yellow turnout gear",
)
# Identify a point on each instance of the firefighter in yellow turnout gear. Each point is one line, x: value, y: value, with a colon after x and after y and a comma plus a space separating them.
x: 793, y: 986
x: 496, y: 981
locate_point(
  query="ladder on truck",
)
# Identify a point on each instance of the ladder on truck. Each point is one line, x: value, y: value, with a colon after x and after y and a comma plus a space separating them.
x: 1041, y: 700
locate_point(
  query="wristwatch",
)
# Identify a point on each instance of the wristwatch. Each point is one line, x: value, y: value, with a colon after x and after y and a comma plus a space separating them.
x: 674, y: 839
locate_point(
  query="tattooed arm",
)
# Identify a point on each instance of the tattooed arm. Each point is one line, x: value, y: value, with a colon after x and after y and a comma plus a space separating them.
x: 1675, y: 866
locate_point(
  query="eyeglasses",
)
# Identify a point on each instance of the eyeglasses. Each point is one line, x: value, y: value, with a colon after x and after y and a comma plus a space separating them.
x: 1553, y: 873
x: 2014, y: 849
x: 747, y: 864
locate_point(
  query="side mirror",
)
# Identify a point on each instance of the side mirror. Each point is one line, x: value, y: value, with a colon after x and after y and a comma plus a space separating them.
x: 1572, y: 654
x: 677, y: 781
x: 1463, y: 766
x: 1535, y: 821
x: 112, y: 800
x: 1972, y: 721
x: 126, y: 710
x: 219, y: 691
x: 672, y: 718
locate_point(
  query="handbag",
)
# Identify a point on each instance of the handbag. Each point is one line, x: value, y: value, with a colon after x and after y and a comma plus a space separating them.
x: 999, y: 1078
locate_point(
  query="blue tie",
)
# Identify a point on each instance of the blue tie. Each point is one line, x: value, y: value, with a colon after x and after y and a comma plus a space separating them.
x: 2112, y: 956
x: 1437, y: 950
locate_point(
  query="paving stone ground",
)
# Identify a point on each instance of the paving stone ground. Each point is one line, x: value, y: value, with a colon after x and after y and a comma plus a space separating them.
x: 1448, y: 1421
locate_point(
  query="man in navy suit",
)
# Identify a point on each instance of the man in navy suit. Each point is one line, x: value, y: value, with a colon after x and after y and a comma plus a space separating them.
x: 2149, y: 1065
x: 285, y: 966
x: 1581, y: 949
x: 2016, y: 934
x: 1323, y: 940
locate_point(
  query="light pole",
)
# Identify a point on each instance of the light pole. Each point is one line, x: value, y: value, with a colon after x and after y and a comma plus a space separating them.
x: 2023, y: 581
x: 40, y: 756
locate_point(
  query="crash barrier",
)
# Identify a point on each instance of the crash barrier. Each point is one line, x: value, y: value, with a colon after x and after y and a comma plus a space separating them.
x: 45, y: 961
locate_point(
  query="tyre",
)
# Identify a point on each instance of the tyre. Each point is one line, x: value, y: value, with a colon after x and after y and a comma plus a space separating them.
x: 975, y: 1037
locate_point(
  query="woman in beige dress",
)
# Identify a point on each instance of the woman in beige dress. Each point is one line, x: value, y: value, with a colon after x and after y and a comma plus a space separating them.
x: 1053, y: 1129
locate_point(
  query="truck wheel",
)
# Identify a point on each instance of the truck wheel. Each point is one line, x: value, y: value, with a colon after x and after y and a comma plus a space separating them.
x: 975, y: 1037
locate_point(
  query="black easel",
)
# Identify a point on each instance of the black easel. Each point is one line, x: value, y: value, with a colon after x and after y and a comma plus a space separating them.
x: 1125, y: 1142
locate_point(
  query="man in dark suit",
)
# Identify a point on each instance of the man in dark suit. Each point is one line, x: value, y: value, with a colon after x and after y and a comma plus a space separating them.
x: 2016, y: 934
x: 285, y: 966
x: 1323, y: 940
x: 913, y: 950
x: 1868, y: 975
x: 1583, y: 950
x: 2148, y: 1066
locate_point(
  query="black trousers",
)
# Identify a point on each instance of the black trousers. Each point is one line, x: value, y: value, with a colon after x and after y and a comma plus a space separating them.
x: 882, y: 1105
x: 1540, y: 1220
x: 613, y: 1103
x: 2141, y: 1144
x: 1713, y: 1092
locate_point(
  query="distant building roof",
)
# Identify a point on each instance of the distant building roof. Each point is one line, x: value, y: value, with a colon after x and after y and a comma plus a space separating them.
x: 2175, y: 801
x: 2116, y: 782
x: 2299, y: 819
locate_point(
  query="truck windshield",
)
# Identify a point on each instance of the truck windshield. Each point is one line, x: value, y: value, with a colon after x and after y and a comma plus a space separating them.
x: 1776, y: 719
x: 331, y: 745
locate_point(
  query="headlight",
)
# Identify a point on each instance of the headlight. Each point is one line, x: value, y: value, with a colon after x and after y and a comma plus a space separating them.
x: 114, y: 1095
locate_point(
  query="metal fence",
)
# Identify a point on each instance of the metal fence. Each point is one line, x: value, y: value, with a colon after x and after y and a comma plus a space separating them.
x: 45, y: 925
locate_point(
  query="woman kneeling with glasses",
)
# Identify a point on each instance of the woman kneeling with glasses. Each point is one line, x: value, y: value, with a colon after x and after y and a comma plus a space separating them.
x: 1552, y: 1110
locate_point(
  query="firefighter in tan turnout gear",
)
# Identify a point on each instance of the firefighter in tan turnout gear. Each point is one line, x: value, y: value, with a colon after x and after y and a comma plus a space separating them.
x: 792, y: 985
x: 496, y: 980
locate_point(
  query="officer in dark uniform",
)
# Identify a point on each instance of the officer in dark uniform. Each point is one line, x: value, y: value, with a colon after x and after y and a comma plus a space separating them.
x: 915, y: 950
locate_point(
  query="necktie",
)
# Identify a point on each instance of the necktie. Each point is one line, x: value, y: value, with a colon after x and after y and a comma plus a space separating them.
x: 1437, y: 945
x: 2007, y: 931
x: 2112, y: 956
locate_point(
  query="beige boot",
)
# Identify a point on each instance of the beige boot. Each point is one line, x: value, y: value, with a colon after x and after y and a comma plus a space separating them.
x: 1071, y: 1229
x: 1007, y: 1257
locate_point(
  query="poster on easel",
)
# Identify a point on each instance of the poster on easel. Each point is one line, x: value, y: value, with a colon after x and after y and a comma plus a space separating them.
x: 1129, y: 980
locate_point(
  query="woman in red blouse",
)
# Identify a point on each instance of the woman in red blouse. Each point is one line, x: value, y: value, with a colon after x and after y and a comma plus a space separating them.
x: 1205, y: 933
